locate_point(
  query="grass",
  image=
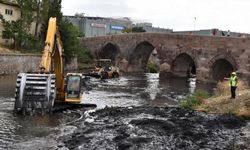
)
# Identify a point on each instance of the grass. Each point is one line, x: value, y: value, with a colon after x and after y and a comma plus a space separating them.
x: 222, y: 88
x: 194, y: 100
x: 221, y: 103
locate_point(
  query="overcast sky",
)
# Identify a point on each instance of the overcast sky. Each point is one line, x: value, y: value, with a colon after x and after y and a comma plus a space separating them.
x: 178, y: 15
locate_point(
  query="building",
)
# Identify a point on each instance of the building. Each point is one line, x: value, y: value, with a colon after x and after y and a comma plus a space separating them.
x: 11, y: 12
x: 148, y: 27
x: 214, y: 32
x: 99, y: 26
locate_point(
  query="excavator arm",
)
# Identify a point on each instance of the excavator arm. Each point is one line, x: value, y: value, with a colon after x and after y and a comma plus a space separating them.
x: 53, y: 50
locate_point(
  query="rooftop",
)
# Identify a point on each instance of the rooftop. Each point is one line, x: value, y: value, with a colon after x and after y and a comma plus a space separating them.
x: 10, y: 2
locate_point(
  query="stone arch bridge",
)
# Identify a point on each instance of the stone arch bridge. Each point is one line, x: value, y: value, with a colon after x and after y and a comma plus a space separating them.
x: 210, y: 58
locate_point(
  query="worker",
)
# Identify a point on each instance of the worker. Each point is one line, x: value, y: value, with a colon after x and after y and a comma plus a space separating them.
x: 233, y: 84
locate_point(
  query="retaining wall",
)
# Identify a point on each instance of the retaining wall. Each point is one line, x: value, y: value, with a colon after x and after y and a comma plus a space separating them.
x: 15, y: 63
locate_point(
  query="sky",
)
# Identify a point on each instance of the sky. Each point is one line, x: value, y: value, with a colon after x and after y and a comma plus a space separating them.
x: 179, y: 15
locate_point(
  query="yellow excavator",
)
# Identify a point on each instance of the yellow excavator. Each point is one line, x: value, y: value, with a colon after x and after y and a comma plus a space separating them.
x: 104, y: 69
x: 39, y: 91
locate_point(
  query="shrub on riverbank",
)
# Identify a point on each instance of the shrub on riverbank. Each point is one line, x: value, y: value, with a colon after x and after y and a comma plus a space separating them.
x: 152, y: 67
x: 194, y: 100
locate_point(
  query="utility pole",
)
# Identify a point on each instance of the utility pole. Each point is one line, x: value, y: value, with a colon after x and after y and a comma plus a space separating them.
x: 194, y: 23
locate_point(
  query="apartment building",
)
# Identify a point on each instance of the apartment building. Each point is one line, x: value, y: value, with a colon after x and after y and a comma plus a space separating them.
x: 11, y: 12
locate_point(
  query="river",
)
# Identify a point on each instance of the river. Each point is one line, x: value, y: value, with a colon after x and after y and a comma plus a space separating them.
x: 141, y: 90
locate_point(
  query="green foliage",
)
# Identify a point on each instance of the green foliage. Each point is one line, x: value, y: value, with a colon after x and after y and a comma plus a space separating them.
x: 71, y: 44
x: 194, y: 100
x: 50, y: 8
x: 138, y: 29
x: 133, y: 30
x: 190, y: 102
x: 19, y: 30
x: 45, y: 11
x: 34, y: 44
x: 55, y: 10
x: 152, y: 67
x: 37, y: 7
x: 201, y: 94
x: 127, y: 30
x: 84, y: 56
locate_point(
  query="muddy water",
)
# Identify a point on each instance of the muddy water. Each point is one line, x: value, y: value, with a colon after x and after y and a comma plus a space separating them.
x: 142, y: 90
x: 84, y: 130
x: 17, y: 129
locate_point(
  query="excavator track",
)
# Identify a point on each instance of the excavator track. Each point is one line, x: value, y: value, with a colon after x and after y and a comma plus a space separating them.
x: 35, y: 93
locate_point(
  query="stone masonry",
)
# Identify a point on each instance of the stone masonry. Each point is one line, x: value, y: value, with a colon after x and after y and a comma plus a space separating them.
x: 213, y: 57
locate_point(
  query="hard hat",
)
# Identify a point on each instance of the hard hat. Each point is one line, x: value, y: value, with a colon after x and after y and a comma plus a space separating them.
x: 233, y: 73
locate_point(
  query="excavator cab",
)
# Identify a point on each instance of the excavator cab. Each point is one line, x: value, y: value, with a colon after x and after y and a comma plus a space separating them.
x: 73, y: 88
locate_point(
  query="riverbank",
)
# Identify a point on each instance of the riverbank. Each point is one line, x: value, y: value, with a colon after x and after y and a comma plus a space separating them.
x: 221, y: 102
x: 240, y: 106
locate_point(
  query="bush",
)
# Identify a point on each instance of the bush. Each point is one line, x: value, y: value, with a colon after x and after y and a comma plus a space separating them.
x: 194, y: 100
x: 33, y: 45
x: 84, y: 56
x: 201, y: 94
x: 152, y: 67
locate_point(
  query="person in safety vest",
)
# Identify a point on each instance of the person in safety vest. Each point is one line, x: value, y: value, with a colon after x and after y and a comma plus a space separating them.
x: 233, y: 84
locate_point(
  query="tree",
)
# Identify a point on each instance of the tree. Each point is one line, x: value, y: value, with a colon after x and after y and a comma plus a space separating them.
x: 138, y: 29
x: 133, y: 30
x: 37, y: 6
x: 71, y: 44
x: 44, y: 18
x: 55, y: 10
x: 19, y: 29
x: 50, y: 8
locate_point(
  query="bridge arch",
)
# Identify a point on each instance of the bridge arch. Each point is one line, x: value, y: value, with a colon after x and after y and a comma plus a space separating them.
x: 221, y: 66
x: 184, y: 65
x: 139, y: 57
x: 109, y: 51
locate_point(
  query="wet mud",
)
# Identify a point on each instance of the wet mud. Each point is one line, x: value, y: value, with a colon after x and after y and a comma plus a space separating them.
x: 157, y: 128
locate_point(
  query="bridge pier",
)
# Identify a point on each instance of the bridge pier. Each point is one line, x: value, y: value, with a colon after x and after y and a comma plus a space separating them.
x: 202, y: 74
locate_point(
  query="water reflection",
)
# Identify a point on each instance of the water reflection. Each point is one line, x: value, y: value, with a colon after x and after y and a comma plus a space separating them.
x: 191, y: 85
x: 143, y: 89
x: 7, y: 85
x: 152, y: 85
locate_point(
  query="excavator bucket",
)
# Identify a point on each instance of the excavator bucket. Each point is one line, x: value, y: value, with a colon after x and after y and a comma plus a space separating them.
x: 35, y: 92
